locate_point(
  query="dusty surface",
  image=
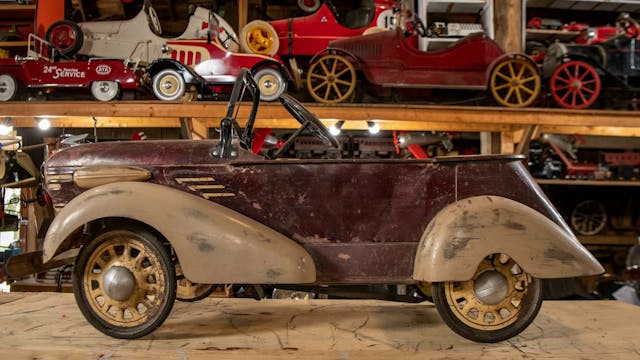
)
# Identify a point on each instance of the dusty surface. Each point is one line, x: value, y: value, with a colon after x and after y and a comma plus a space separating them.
x: 50, y: 326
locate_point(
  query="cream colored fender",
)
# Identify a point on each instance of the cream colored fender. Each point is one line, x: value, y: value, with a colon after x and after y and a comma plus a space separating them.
x: 463, y: 233
x: 213, y: 243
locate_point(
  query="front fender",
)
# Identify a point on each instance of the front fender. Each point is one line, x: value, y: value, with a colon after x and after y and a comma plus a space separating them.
x: 213, y: 243
x: 463, y: 233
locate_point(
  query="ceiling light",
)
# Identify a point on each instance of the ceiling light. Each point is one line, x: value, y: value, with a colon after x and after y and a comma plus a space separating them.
x: 44, y: 124
x: 374, y: 128
x: 336, y: 128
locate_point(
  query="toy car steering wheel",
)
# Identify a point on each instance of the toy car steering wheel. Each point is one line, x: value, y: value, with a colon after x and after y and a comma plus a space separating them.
x: 155, y: 22
x: 308, y: 121
x: 628, y: 25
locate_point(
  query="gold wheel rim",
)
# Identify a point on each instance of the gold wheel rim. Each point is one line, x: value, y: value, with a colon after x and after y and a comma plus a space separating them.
x: 468, y: 308
x: 269, y: 84
x: 331, y: 79
x: 515, y: 83
x: 169, y: 85
x: 123, y: 250
x: 259, y: 40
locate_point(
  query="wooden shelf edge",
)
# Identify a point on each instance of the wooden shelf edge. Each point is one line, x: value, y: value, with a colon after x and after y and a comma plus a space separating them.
x: 7, y: 44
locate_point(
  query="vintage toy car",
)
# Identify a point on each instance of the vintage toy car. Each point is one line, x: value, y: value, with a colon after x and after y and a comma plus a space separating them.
x: 386, y: 60
x: 202, y: 60
x: 309, y: 34
x: 475, y: 232
x: 577, y: 73
x: 105, y: 78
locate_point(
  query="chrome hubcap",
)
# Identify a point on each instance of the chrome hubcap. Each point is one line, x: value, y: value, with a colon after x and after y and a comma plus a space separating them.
x: 491, y: 287
x: 119, y: 283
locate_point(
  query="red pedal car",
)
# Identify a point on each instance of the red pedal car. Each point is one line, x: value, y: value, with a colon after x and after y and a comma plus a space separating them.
x: 387, y: 60
x: 104, y: 77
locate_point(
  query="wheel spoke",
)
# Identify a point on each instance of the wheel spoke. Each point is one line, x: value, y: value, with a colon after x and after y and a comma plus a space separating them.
x: 317, y: 76
x: 503, y: 76
x: 335, y: 65
x: 511, y: 70
x: 509, y: 93
x: 573, y: 99
x: 526, y: 89
x: 566, y: 81
x: 342, y: 72
x: 337, y: 91
x: 342, y: 82
x: 500, y: 87
x: 566, y: 71
x: 327, y: 92
x: 521, y: 72
x: 324, y: 67
x: 518, y: 96
x: 324, y: 83
x: 531, y: 78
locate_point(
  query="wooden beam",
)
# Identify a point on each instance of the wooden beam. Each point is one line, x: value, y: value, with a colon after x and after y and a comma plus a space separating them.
x: 194, y: 129
x: 506, y: 142
x: 390, y: 117
x: 508, y: 24
x: 243, y: 13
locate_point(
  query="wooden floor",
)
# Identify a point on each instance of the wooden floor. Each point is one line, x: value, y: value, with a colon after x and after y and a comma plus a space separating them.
x: 49, y: 325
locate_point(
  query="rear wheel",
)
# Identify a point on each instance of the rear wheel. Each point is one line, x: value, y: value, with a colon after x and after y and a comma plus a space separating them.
x: 575, y: 85
x: 105, y: 90
x: 514, y: 82
x: 271, y: 84
x: 8, y: 87
x: 124, y: 282
x: 499, y: 302
x: 169, y: 85
x: 589, y: 217
x: 331, y: 79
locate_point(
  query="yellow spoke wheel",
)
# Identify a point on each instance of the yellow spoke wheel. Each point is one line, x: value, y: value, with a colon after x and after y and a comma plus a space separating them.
x: 189, y: 291
x: 124, y: 282
x: 331, y: 79
x: 498, y: 303
x: 515, y: 82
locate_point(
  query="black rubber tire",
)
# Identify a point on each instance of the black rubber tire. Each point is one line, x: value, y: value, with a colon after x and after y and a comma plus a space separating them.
x: 205, y: 294
x: 152, y: 245
x: 76, y: 46
x: 531, y: 305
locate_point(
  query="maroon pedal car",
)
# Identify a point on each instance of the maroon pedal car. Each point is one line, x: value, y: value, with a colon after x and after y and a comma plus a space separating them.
x: 388, y: 60
x: 105, y: 78
x: 474, y: 234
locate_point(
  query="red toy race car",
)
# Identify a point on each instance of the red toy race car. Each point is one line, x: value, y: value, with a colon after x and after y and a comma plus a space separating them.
x: 387, y: 60
x: 105, y: 77
x: 309, y: 34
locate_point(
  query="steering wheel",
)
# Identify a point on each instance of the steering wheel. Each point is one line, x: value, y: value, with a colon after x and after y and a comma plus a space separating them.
x: 418, y: 26
x: 308, y: 121
x: 155, y: 22
x: 628, y: 25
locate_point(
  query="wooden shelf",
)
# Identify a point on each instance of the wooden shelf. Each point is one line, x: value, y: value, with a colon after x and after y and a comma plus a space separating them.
x: 12, y: 44
x: 544, y: 34
x: 607, y: 240
x: 141, y: 114
x: 587, y: 182
x: 16, y: 11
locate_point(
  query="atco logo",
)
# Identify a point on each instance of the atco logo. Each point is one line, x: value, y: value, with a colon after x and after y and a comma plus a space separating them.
x: 103, y: 69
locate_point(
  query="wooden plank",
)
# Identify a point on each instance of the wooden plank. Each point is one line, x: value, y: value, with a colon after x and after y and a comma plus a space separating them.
x: 51, y: 326
x: 508, y: 25
x: 587, y: 182
x: 390, y: 117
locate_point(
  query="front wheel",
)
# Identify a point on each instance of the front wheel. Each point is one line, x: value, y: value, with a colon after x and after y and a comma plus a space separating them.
x: 169, y: 85
x: 259, y: 37
x: 124, y: 282
x: 499, y: 302
x: 8, y: 87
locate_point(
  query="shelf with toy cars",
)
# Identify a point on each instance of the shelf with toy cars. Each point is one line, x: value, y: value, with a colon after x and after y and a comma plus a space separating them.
x: 16, y: 21
x: 448, y: 21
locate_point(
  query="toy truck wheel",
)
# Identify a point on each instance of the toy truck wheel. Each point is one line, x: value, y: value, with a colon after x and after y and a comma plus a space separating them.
x: 575, y: 85
x: 515, y: 82
x: 8, y: 87
x: 331, y: 79
x: 65, y: 36
x: 105, y: 90
x: 271, y: 84
x: 589, y: 217
x: 259, y: 37
x: 499, y: 302
x: 169, y: 85
x: 124, y: 282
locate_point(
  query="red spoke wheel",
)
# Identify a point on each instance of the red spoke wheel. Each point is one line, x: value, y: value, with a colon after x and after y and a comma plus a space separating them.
x: 575, y: 85
x: 66, y: 37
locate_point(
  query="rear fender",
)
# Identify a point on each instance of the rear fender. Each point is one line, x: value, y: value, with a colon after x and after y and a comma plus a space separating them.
x: 463, y: 233
x: 213, y: 243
